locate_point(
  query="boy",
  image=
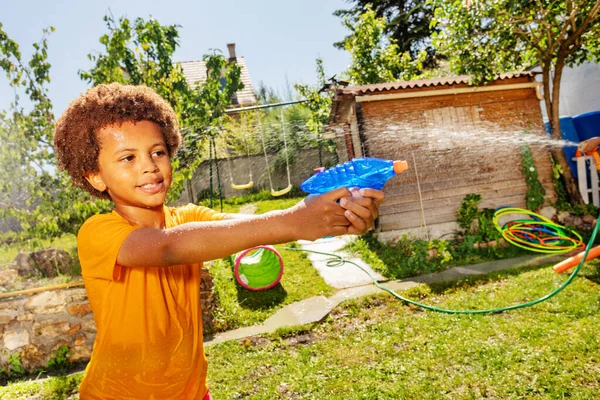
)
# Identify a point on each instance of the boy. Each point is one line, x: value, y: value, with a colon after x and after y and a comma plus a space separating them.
x: 141, y: 262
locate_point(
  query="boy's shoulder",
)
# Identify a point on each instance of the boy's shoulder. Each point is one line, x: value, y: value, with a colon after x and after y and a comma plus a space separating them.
x: 96, y: 224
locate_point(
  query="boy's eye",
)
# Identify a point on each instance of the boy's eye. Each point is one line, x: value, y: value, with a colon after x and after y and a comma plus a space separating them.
x: 159, y: 153
x: 127, y: 158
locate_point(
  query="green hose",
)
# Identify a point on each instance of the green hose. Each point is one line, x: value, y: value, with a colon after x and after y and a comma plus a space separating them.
x: 337, y: 261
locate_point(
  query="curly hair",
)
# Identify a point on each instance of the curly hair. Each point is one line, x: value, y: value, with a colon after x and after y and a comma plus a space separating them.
x: 75, y: 137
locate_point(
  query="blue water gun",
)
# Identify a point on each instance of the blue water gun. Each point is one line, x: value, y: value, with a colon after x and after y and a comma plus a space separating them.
x: 358, y: 172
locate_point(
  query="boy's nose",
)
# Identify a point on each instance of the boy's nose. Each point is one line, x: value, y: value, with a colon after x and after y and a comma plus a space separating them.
x: 149, y: 165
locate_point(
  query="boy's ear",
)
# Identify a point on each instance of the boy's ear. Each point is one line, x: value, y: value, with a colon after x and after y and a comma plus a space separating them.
x: 96, y: 181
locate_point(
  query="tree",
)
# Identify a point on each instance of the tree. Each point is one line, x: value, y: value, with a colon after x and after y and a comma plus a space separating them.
x: 484, y: 38
x: 318, y: 102
x: 32, y: 189
x: 142, y: 53
x: 408, y: 22
x: 375, y: 58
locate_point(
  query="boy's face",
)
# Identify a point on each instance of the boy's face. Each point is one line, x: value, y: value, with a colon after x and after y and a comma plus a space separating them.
x: 134, y: 165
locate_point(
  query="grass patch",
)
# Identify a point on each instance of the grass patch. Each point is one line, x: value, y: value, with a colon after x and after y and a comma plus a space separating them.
x: 238, y: 307
x: 8, y: 251
x: 378, y: 348
x: 54, y: 388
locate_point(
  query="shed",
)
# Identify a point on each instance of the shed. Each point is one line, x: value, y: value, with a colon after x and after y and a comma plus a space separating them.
x: 458, y: 139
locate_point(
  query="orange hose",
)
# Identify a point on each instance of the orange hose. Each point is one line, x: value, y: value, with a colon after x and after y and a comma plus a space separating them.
x: 573, y: 261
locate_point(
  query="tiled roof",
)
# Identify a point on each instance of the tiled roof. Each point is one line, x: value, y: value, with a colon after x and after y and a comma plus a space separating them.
x: 445, y: 81
x: 195, y: 72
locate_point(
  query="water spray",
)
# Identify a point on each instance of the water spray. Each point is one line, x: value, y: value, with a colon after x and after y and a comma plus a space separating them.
x: 537, y: 234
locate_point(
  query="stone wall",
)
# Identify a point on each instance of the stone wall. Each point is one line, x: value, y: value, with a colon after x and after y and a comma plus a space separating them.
x: 35, y: 326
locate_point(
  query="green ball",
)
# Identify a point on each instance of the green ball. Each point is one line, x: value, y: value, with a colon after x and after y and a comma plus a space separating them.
x: 258, y: 268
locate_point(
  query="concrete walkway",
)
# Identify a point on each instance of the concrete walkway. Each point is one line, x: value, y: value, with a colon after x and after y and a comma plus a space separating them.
x: 351, y: 283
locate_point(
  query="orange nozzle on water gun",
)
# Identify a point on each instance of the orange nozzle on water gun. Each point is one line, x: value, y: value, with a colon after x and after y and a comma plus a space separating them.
x: 400, y: 166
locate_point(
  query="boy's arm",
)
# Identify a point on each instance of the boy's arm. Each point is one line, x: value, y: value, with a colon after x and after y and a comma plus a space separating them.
x: 312, y: 218
x: 362, y: 210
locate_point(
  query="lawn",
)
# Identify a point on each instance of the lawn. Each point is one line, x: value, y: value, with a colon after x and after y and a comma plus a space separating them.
x: 378, y: 348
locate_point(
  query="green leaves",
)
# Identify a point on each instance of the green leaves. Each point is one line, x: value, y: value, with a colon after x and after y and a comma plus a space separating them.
x: 376, y: 58
x: 490, y: 37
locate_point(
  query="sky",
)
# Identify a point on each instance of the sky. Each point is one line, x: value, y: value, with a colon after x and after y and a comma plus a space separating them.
x: 279, y: 39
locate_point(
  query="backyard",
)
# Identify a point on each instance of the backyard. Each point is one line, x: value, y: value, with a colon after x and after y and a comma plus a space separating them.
x: 378, y: 347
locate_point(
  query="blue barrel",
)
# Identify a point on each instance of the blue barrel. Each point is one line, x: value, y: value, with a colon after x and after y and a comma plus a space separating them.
x: 587, y: 125
x: 569, y: 132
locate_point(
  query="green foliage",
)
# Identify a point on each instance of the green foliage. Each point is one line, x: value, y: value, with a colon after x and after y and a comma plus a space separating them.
x: 474, y: 223
x: 318, y: 102
x: 31, y: 189
x: 407, y: 257
x: 535, y: 191
x: 60, y: 359
x: 562, y: 201
x: 483, y: 38
x: 375, y: 58
x: 14, y: 368
x: 467, y: 212
x: 407, y: 22
x: 141, y: 53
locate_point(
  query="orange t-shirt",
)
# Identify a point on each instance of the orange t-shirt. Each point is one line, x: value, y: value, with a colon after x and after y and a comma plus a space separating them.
x: 149, y: 341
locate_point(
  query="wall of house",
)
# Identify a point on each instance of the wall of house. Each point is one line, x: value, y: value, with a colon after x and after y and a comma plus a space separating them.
x: 34, y: 327
x: 579, y: 88
x: 241, y: 167
x: 454, y: 145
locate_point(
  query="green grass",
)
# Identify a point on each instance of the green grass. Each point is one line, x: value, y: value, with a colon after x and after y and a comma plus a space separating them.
x: 54, y: 388
x: 8, y: 252
x: 238, y: 307
x: 376, y: 347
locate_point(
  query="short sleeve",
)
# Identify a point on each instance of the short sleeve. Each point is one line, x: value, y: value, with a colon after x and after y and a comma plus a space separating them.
x: 98, y: 244
x: 192, y: 213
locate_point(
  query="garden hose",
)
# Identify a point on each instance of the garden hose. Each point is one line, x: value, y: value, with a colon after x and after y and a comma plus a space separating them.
x: 538, y: 234
x: 338, y: 260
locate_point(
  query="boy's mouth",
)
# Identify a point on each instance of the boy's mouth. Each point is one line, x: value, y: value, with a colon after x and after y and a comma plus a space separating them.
x: 152, y: 188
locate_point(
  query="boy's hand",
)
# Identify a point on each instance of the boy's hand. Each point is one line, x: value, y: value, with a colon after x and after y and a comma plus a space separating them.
x: 362, y: 209
x: 320, y: 216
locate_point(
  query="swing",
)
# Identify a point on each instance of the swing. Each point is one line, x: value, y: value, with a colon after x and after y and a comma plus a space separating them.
x: 212, y: 150
x: 287, y: 165
x: 250, y: 182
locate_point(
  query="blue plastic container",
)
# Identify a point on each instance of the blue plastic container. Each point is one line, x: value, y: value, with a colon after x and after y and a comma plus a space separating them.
x: 359, y: 172
x: 568, y: 132
x: 587, y: 125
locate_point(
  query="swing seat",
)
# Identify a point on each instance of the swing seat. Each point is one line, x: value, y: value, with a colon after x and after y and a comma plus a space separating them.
x: 242, y: 187
x: 282, y: 191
